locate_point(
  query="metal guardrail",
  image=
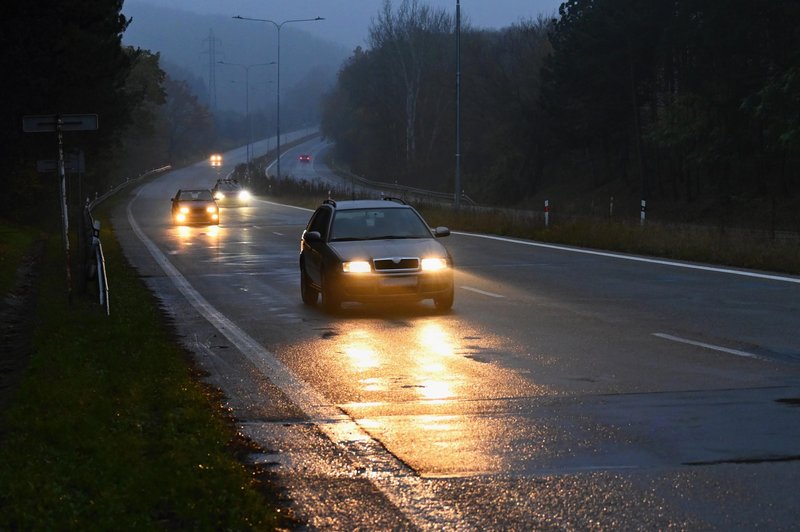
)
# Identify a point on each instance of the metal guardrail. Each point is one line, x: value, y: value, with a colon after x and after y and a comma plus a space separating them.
x: 94, y: 262
x: 96, y: 267
x: 419, y: 192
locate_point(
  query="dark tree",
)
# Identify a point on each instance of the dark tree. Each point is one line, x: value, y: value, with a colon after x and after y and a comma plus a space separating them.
x: 64, y: 57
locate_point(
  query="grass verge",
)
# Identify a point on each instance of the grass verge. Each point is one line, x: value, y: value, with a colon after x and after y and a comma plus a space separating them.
x: 711, y: 245
x: 111, y: 429
x: 15, y: 242
x: 705, y: 244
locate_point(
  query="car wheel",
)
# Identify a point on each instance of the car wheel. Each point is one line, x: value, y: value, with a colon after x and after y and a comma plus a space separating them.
x: 444, y: 302
x: 307, y: 292
x: 330, y: 300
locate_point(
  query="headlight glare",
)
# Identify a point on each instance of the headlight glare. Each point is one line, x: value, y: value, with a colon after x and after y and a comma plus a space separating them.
x: 356, y: 266
x: 211, y: 209
x: 433, y: 264
x: 244, y: 195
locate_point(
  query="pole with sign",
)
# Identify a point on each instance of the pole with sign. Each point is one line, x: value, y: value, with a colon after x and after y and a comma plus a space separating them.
x: 58, y: 124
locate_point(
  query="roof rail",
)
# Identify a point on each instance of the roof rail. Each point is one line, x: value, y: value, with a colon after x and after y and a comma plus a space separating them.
x: 396, y: 200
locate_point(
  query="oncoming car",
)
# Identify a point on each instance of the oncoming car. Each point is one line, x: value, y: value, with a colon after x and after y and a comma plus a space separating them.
x: 304, y: 158
x: 230, y: 192
x: 373, y: 250
x: 194, y: 206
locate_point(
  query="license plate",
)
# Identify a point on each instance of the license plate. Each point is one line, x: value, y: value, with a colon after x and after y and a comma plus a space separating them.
x: 399, y: 282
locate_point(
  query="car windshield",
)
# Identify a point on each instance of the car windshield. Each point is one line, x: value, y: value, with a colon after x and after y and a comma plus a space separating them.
x: 195, y: 195
x: 227, y: 185
x: 375, y: 224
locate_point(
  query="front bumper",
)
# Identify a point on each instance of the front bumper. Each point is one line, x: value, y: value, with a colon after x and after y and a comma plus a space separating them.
x: 196, y: 218
x: 371, y: 287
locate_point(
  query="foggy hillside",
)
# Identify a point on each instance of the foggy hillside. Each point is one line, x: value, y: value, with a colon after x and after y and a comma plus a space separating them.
x: 190, y: 44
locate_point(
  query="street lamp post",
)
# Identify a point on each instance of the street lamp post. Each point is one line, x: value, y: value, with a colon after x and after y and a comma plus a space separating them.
x: 457, y: 191
x: 278, y: 26
x: 247, y: 104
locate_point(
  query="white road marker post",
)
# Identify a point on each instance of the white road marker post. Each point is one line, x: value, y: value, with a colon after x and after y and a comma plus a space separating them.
x: 643, y: 212
x: 547, y: 213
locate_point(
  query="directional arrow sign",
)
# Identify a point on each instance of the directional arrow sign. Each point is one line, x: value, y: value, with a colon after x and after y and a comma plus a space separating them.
x: 49, y: 123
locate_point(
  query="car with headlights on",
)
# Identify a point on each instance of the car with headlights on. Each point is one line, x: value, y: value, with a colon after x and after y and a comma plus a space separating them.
x: 194, y: 206
x: 373, y: 251
x: 304, y: 158
x: 230, y: 193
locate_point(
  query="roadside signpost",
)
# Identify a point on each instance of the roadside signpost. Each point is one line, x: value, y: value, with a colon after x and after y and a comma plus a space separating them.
x: 73, y: 162
x: 58, y: 124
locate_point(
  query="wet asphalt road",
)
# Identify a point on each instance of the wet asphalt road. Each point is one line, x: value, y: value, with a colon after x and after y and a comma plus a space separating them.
x: 566, y: 390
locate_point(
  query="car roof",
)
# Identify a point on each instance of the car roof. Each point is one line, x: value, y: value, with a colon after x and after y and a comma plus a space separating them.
x: 366, y: 204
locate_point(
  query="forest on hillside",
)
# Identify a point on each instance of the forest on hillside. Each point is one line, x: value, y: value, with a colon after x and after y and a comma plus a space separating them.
x: 693, y: 105
x: 68, y: 57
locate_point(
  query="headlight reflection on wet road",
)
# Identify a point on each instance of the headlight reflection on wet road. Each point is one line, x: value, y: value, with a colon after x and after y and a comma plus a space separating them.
x: 435, y: 380
x: 360, y: 353
x: 420, y: 391
x: 187, y: 236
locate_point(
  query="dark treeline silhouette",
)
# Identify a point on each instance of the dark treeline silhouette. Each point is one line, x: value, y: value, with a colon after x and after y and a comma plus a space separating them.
x: 680, y: 102
x: 67, y: 57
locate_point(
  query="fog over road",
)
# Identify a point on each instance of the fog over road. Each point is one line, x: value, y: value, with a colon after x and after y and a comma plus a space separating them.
x: 566, y: 389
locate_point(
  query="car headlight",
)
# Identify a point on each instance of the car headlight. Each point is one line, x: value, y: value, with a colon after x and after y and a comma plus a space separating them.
x: 211, y: 209
x: 184, y: 210
x: 244, y: 195
x: 433, y: 264
x: 219, y: 196
x: 356, y: 266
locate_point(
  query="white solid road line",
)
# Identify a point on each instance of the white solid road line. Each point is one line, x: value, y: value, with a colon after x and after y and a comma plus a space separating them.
x: 388, y: 474
x: 484, y: 292
x: 715, y: 269
x: 713, y: 347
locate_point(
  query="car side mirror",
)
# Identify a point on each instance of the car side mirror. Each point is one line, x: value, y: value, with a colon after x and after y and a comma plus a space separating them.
x: 441, y: 231
x: 312, y: 236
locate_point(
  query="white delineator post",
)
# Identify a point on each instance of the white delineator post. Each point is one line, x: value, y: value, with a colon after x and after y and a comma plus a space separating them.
x: 643, y: 212
x: 547, y: 213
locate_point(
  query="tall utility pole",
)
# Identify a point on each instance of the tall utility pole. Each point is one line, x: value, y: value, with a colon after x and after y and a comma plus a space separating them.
x: 457, y: 191
x: 212, y: 69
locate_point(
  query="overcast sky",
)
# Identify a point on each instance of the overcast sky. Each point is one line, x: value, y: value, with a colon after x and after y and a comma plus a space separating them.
x: 347, y: 21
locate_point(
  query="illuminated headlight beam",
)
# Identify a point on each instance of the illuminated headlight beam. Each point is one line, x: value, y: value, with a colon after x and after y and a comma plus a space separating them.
x: 433, y: 264
x: 356, y: 266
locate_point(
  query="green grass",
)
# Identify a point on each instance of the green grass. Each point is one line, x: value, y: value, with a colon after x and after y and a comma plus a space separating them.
x: 111, y: 428
x: 15, y: 242
x: 680, y: 242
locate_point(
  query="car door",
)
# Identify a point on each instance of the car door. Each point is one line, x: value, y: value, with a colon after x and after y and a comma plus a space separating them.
x: 313, y: 251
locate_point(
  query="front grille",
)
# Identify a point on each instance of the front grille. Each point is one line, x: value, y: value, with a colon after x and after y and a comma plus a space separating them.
x: 396, y: 264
